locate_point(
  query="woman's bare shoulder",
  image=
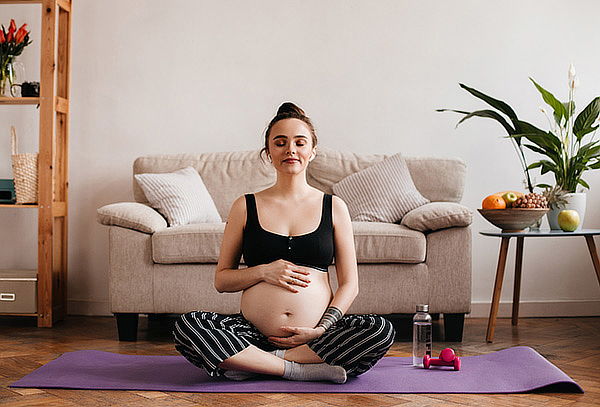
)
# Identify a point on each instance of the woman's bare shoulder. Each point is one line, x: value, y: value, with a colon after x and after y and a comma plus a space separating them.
x: 339, y: 209
x: 338, y: 203
x: 238, y: 209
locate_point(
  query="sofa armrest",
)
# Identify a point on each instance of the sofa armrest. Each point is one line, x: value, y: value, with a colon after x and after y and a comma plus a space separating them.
x: 449, y: 263
x: 438, y: 215
x: 132, y: 215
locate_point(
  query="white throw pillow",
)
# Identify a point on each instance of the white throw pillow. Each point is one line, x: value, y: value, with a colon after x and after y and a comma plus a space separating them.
x: 180, y: 196
x: 384, y: 192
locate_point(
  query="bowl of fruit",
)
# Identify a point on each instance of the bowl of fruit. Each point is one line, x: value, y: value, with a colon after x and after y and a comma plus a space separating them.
x: 513, y: 211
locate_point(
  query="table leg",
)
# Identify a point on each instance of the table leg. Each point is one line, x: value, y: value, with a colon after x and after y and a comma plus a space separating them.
x: 497, y: 288
x: 594, y: 253
x: 517, y: 290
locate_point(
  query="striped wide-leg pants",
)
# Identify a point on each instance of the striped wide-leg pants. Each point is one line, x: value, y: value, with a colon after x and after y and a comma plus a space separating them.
x: 355, y: 342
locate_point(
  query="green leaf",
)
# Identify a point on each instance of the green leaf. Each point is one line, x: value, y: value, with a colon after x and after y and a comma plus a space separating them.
x: 544, y: 151
x: 546, y: 141
x: 559, y: 109
x: 595, y: 166
x: 544, y: 186
x: 579, y: 135
x: 534, y: 165
x: 490, y: 114
x: 588, y: 150
x: 498, y: 104
x: 586, y: 119
x: 548, y: 166
x: 523, y: 129
x: 582, y: 182
x: 536, y: 149
x: 592, y: 152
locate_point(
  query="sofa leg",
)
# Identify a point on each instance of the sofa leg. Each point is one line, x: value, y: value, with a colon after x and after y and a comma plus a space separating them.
x: 453, y: 327
x: 127, y: 324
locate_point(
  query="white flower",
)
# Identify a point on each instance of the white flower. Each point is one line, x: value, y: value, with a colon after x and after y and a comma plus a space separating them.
x: 574, y: 83
x: 572, y: 72
x: 573, y: 79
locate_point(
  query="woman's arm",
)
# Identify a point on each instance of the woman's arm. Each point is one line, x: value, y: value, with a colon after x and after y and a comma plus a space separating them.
x: 228, y: 278
x: 345, y: 257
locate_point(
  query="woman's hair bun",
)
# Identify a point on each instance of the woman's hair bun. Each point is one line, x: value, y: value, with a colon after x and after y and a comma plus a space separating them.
x: 289, y: 107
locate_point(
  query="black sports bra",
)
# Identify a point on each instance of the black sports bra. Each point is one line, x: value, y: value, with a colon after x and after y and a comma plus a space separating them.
x: 314, y: 249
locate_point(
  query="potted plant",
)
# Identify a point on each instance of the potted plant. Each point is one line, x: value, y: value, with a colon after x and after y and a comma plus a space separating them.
x: 569, y: 148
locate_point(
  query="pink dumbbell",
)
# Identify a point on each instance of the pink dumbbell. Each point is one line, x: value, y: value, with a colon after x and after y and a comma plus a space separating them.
x: 447, y: 358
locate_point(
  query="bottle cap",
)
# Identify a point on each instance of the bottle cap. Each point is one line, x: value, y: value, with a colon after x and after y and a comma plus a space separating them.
x: 423, y: 308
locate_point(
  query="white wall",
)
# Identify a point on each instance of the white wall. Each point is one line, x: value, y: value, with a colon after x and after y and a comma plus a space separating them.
x: 194, y: 76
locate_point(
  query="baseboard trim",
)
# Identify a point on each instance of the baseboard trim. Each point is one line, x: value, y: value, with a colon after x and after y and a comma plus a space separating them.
x: 479, y: 309
x: 566, y: 308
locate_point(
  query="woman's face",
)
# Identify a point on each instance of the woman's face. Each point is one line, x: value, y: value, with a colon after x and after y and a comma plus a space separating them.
x: 290, y: 146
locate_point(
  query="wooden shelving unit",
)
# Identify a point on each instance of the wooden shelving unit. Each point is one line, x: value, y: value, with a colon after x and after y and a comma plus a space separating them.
x: 52, y: 206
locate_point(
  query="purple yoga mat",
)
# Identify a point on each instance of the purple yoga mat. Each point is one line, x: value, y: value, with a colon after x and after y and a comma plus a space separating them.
x: 513, y: 370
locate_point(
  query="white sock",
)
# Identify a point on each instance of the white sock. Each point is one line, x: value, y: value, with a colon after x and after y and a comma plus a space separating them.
x: 280, y: 353
x: 314, y: 372
x: 244, y: 375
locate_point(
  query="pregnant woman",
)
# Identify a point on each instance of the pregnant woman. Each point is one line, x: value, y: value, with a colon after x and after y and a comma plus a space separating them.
x: 291, y: 324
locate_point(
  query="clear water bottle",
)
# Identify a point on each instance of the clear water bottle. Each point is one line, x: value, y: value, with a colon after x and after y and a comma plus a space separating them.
x: 421, y: 334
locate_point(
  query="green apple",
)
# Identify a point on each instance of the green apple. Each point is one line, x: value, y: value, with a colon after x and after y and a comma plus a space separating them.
x: 568, y: 220
x: 509, y: 198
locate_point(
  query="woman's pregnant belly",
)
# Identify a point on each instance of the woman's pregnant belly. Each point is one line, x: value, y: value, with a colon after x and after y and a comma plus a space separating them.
x: 269, y: 307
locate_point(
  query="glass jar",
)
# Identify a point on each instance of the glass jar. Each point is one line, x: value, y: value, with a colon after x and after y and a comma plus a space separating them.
x: 11, y: 72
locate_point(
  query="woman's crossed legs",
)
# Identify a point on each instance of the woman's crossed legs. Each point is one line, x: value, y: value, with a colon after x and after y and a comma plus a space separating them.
x: 225, y: 344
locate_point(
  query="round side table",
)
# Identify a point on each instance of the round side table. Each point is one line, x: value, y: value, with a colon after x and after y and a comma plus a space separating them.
x: 589, y: 238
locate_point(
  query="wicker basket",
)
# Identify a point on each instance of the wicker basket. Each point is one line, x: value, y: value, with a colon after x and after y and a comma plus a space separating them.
x: 25, y: 172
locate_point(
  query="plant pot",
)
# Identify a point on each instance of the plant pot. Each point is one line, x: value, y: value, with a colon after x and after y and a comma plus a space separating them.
x: 575, y: 201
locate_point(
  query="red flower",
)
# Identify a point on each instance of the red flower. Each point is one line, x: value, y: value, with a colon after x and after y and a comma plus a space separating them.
x: 2, y: 37
x: 13, y: 26
x: 21, y: 34
x: 10, y: 36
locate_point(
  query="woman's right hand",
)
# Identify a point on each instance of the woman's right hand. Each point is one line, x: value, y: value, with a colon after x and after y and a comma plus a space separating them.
x: 286, y: 274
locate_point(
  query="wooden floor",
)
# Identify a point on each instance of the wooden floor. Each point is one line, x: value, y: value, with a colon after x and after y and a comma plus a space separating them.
x: 573, y: 344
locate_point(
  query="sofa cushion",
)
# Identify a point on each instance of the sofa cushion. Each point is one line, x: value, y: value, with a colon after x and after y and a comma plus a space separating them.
x: 180, y: 196
x: 384, y: 192
x: 378, y: 242
x: 194, y: 243
x: 132, y: 215
x: 438, y: 215
x: 375, y: 243
x: 226, y: 175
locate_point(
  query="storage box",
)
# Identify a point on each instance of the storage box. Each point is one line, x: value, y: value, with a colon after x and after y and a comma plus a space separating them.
x: 18, y: 291
x: 7, y: 191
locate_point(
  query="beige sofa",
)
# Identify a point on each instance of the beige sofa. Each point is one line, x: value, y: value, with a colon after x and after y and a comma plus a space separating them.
x: 155, y: 269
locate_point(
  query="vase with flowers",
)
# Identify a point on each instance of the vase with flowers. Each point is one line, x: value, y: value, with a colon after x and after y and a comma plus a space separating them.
x: 569, y: 148
x: 12, y: 43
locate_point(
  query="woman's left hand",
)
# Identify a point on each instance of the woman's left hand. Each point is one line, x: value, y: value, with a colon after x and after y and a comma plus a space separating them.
x: 299, y: 336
